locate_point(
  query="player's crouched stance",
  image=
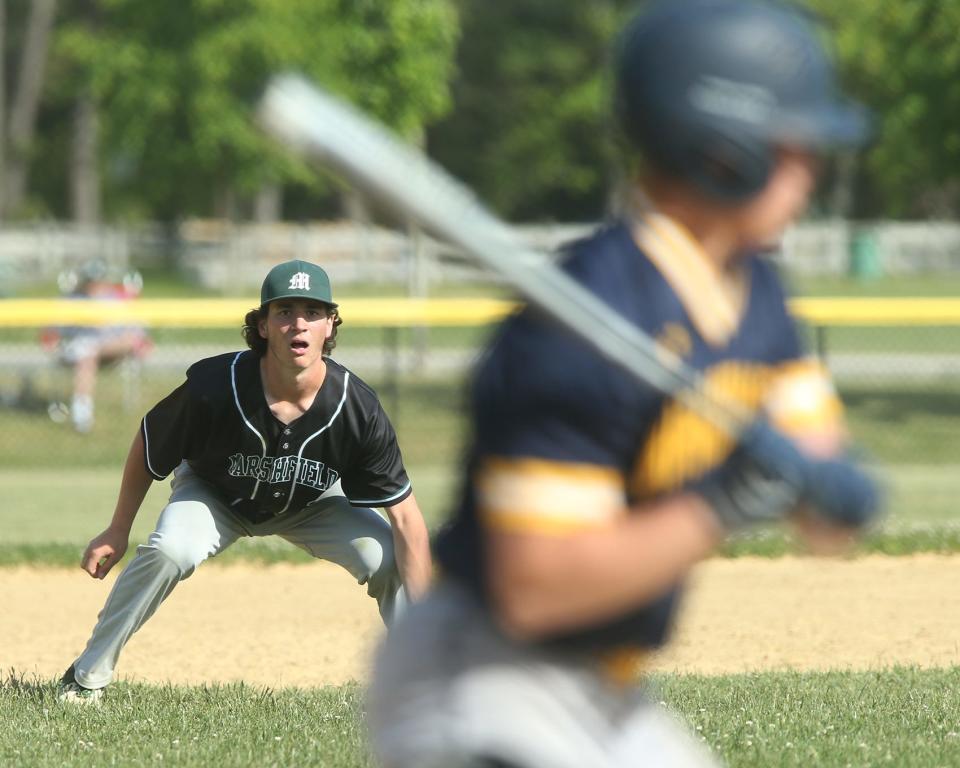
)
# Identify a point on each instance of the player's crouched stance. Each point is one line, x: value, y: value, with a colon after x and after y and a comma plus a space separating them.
x: 278, y: 439
x: 588, y: 498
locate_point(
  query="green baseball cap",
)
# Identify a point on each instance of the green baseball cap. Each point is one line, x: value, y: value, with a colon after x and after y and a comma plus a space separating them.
x: 296, y: 280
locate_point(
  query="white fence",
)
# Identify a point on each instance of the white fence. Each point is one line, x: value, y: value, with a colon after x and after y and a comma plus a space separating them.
x: 898, y: 247
x: 232, y: 258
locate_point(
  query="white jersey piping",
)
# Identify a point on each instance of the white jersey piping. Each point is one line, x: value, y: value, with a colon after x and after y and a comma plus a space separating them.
x: 236, y: 400
x: 324, y: 428
x: 380, y: 502
x: 146, y: 451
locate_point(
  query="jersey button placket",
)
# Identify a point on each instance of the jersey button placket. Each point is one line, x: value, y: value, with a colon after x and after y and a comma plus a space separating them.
x: 285, y: 446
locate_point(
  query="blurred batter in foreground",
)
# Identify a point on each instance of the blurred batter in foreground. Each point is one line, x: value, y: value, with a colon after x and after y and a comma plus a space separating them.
x: 588, y: 498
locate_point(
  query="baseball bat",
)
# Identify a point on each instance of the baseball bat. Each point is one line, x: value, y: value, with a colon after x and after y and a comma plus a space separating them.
x: 326, y: 128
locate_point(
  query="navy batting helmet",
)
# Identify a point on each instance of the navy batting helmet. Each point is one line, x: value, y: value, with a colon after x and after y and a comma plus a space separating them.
x: 708, y: 89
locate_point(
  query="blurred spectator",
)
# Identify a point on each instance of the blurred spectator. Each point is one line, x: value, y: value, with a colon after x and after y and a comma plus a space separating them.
x: 87, y: 348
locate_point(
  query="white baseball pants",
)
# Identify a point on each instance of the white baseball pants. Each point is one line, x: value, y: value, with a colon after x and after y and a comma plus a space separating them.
x: 196, y: 524
x: 449, y: 690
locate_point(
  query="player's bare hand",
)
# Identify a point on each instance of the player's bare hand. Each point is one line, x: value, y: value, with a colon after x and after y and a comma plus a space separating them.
x: 103, y: 552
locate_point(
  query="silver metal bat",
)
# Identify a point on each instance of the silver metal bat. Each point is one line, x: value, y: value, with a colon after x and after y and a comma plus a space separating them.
x: 326, y: 128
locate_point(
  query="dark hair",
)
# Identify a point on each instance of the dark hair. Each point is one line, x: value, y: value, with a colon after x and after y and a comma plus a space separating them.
x: 256, y: 342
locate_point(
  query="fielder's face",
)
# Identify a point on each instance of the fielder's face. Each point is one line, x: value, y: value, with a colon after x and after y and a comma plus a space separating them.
x: 295, y: 330
x: 763, y: 220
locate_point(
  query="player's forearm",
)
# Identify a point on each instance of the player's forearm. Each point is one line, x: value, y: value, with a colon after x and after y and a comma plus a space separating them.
x: 134, y: 485
x: 544, y: 584
x: 411, y: 547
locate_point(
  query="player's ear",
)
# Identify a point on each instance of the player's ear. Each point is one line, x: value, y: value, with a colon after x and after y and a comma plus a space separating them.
x: 262, y: 325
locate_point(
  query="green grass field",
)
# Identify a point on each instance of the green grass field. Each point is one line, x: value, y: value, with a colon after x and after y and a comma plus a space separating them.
x: 49, y: 516
x: 899, y: 717
x: 60, y: 486
x: 937, y: 284
x: 59, y: 489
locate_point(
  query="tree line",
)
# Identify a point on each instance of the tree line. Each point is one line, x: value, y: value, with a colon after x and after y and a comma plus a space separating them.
x: 138, y: 110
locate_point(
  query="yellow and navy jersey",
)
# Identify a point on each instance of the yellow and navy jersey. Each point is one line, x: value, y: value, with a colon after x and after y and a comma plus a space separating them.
x: 564, y: 440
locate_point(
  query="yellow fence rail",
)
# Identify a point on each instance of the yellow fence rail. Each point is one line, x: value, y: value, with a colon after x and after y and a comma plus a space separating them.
x: 403, y: 312
x: 229, y: 313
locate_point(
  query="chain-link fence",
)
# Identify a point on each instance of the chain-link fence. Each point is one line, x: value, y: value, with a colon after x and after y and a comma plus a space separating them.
x: 419, y: 375
x: 900, y: 383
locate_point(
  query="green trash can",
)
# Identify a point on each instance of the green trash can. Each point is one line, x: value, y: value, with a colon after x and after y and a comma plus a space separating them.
x: 865, y: 256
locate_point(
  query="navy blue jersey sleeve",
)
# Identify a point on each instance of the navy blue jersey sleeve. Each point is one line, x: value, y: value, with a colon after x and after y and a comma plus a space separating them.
x: 545, y: 393
x: 376, y: 476
x: 542, y: 393
x: 768, y: 288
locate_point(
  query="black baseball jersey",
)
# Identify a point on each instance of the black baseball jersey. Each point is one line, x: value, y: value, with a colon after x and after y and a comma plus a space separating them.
x: 218, y: 421
x: 565, y: 441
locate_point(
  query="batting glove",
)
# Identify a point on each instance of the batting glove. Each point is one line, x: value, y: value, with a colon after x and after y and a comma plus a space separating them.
x: 766, y: 477
x: 843, y: 493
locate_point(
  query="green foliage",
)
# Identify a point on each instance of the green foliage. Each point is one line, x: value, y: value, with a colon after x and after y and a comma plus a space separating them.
x: 530, y: 128
x: 527, y: 98
x: 176, y: 83
x: 904, y: 60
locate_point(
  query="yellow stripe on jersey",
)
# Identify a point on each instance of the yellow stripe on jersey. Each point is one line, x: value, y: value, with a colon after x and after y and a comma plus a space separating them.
x: 713, y: 300
x: 798, y: 398
x: 534, y: 522
x: 683, y: 445
x: 625, y: 666
x: 554, y: 498
x: 801, y: 398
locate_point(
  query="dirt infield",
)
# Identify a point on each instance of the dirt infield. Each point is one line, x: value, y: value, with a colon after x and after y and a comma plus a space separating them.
x: 287, y: 625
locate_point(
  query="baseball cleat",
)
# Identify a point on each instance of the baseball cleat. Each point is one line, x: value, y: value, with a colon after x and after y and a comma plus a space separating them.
x: 71, y: 692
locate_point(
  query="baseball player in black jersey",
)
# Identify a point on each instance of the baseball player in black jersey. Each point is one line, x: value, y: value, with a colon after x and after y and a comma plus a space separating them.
x: 278, y: 439
x: 588, y: 497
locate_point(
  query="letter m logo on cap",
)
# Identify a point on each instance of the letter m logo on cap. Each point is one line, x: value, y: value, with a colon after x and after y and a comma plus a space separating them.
x: 296, y: 280
x: 300, y: 282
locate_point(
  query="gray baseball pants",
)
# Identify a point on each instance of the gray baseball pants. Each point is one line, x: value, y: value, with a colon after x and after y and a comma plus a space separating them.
x: 449, y: 690
x: 196, y: 524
